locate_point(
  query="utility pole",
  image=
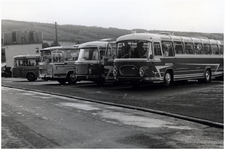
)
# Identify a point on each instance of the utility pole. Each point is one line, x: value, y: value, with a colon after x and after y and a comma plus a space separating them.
x: 56, y: 36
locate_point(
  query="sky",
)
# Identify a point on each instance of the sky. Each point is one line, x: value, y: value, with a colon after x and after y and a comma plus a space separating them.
x: 170, y: 15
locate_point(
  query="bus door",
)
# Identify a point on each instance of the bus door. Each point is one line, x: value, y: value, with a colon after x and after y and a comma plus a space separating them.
x: 59, y: 67
x: 108, y: 60
x: 168, y: 55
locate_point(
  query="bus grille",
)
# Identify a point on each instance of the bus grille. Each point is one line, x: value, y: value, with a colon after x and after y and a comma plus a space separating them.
x: 128, y: 71
x: 81, y: 69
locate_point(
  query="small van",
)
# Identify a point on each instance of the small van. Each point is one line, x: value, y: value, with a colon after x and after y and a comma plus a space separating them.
x: 26, y: 66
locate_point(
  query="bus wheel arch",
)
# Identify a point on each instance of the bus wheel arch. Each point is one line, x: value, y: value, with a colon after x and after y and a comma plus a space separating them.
x: 71, y: 78
x: 168, y: 78
x: 31, y: 76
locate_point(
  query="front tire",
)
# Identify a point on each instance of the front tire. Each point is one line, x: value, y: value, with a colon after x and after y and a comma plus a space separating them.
x: 168, y: 79
x: 207, y: 76
x: 71, y: 78
x: 31, y: 77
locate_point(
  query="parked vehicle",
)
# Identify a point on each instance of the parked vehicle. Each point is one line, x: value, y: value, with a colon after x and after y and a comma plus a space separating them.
x: 57, y: 63
x: 145, y: 57
x: 95, y: 61
x: 26, y: 66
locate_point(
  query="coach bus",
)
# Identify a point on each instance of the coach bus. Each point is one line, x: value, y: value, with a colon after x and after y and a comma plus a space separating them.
x: 146, y: 57
x: 26, y: 66
x: 95, y: 61
x: 57, y: 63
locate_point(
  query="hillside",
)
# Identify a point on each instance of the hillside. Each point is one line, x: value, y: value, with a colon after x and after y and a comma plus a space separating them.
x: 80, y: 34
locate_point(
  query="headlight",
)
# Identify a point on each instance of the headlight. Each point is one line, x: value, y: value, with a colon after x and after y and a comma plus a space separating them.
x: 90, y: 71
x: 142, y: 71
x: 114, y: 71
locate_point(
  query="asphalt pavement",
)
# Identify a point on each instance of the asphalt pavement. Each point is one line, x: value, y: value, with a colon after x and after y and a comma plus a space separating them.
x: 197, y: 100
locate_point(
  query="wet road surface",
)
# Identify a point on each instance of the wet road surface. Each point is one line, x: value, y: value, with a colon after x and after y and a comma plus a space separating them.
x: 38, y: 120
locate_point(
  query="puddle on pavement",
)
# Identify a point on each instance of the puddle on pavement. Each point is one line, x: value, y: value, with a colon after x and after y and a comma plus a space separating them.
x: 80, y: 106
x: 119, y: 117
x: 140, y: 121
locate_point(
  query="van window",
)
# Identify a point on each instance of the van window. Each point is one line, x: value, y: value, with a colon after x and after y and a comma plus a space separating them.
x: 26, y: 62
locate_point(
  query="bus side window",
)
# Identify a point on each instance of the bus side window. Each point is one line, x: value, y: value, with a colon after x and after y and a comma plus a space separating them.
x: 157, y: 49
x: 207, y: 49
x: 198, y: 48
x: 215, y: 49
x: 221, y: 49
x: 189, y: 48
x: 178, y: 46
x: 167, y: 48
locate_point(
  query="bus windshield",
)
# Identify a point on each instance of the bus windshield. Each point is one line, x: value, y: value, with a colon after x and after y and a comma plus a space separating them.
x: 89, y: 54
x: 133, y: 49
x: 46, y: 56
x: 59, y: 55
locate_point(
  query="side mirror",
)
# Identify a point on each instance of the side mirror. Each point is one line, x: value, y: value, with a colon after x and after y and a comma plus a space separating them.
x: 150, y: 56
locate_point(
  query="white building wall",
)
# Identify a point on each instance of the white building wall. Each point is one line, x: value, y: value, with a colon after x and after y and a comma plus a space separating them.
x: 14, y: 50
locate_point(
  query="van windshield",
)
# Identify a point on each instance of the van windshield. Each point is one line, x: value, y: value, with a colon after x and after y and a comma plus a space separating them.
x: 133, y: 49
x: 89, y: 54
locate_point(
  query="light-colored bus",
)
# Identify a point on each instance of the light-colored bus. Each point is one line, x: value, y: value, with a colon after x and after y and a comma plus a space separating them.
x: 26, y: 66
x: 95, y: 61
x: 57, y: 63
x: 146, y: 57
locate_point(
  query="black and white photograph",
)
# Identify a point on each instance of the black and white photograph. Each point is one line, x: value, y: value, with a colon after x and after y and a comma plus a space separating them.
x: 112, y: 74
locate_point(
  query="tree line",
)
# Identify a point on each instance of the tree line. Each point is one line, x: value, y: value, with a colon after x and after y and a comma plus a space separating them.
x: 79, y: 34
